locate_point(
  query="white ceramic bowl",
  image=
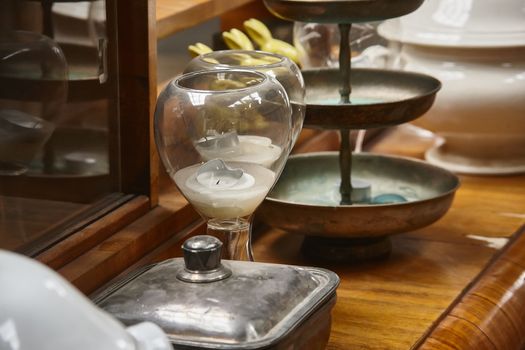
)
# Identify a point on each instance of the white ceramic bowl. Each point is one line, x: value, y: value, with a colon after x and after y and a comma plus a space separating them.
x: 461, y: 23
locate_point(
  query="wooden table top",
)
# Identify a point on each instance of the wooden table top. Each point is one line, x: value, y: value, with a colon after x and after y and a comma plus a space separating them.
x: 450, y: 285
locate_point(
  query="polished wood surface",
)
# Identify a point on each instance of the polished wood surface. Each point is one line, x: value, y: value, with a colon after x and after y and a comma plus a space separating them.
x: 137, y: 81
x: 173, y: 16
x: 491, y: 313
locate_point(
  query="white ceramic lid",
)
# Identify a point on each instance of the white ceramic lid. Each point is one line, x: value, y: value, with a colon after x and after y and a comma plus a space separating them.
x: 461, y: 23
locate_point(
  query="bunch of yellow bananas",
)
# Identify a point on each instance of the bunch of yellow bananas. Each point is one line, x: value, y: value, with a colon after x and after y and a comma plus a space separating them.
x: 259, y: 33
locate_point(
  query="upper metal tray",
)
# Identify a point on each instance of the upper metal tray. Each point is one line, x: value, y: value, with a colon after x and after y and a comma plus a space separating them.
x: 378, y: 98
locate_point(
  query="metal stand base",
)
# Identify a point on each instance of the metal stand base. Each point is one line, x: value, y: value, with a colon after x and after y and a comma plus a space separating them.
x: 348, y: 250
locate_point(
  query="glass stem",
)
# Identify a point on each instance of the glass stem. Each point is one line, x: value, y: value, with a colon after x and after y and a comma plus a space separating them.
x: 235, y: 235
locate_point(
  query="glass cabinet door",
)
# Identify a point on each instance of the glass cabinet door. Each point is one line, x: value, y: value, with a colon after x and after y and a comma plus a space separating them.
x: 59, y: 128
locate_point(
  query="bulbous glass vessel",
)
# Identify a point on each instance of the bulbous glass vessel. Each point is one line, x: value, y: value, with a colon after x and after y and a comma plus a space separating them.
x: 33, y: 91
x: 224, y: 137
x: 277, y: 66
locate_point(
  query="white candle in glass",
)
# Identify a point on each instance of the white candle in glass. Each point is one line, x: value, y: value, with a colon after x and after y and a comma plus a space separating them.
x: 240, y: 148
x: 221, y: 196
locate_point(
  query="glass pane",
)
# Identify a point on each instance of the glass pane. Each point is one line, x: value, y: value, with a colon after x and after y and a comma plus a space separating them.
x: 58, y: 131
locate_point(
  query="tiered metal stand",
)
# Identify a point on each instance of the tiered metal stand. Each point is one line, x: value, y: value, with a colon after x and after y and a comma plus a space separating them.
x: 347, y: 99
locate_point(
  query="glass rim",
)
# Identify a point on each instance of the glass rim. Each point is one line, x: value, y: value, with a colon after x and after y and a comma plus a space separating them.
x: 249, y: 52
x: 176, y: 82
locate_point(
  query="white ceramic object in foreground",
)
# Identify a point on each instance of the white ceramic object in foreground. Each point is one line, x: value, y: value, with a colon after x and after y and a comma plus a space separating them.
x: 41, y: 310
x: 476, y: 48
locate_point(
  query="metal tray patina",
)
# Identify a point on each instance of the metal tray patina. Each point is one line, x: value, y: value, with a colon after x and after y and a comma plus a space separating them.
x: 379, y: 98
x: 203, y: 303
x: 315, y: 194
x: 340, y: 11
x: 305, y: 201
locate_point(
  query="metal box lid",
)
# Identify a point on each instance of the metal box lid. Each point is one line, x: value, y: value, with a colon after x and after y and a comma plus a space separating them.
x: 209, y: 304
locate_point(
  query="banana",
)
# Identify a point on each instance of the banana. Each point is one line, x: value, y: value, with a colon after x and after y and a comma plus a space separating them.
x: 198, y: 49
x: 237, y: 40
x: 261, y: 35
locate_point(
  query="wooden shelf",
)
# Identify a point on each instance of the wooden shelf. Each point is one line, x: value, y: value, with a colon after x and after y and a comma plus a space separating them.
x: 174, y: 16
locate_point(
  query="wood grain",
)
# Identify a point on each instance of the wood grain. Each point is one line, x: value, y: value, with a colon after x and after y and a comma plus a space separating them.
x: 494, y: 306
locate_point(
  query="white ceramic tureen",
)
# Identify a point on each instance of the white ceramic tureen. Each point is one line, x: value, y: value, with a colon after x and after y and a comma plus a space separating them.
x: 477, y: 49
x: 41, y: 310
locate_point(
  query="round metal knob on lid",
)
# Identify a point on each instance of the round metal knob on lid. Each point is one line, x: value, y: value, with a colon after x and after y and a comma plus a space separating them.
x: 202, y: 259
